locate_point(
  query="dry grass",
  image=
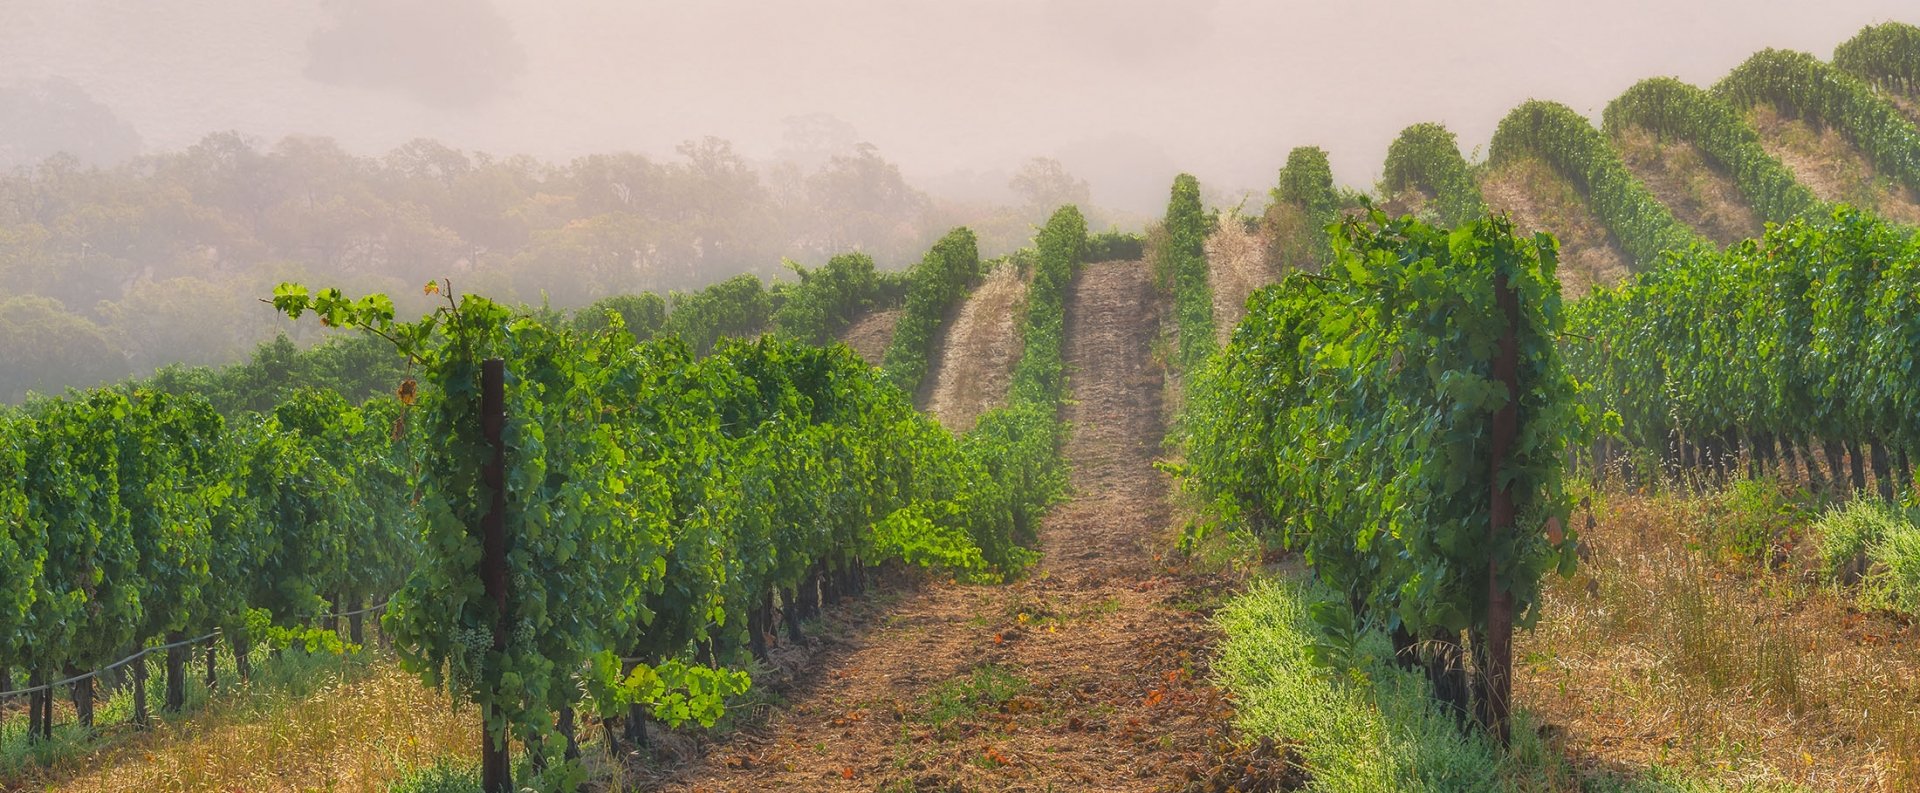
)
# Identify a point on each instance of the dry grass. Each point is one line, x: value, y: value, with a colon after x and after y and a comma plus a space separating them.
x: 1832, y: 167
x: 1681, y: 178
x: 362, y: 728
x: 975, y: 367
x: 870, y: 334
x: 1542, y: 201
x: 1237, y: 263
x: 1292, y: 239
x: 1658, y: 654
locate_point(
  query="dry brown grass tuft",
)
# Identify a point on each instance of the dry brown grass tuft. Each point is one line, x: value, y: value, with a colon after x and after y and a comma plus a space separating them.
x: 1237, y: 265
x: 1657, y: 654
x: 359, y: 731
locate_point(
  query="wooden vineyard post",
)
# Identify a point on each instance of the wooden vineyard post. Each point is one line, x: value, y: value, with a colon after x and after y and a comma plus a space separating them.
x: 496, y: 769
x: 1495, y: 654
x: 176, y: 673
x: 141, y: 717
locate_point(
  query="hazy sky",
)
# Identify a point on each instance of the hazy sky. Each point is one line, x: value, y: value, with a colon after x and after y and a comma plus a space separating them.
x: 1126, y: 92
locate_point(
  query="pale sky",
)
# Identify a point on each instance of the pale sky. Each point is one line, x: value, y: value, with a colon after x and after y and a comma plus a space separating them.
x: 1125, y: 92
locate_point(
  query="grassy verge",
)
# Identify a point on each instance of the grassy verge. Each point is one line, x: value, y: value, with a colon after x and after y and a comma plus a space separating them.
x: 303, y: 723
x: 1373, y: 727
x: 1699, y: 635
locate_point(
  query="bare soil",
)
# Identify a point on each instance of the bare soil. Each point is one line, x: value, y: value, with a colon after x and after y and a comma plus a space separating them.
x: 870, y: 335
x: 1826, y: 162
x: 1089, y: 675
x: 1237, y: 265
x: 1542, y: 201
x: 981, y: 346
x: 1682, y: 178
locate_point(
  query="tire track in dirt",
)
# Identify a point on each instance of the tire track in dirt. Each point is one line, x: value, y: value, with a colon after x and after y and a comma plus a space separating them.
x: 1090, y: 675
x: 1237, y: 265
x: 870, y: 335
x: 976, y: 363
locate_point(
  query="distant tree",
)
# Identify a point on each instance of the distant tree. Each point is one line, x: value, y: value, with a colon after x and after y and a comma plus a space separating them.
x: 1044, y: 184
x: 44, y: 349
x: 863, y: 203
x: 44, y: 117
x: 811, y: 140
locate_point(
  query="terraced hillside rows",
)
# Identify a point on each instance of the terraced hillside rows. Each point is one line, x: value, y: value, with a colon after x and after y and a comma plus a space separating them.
x: 1077, y: 678
x: 976, y: 361
x: 1824, y: 160
x: 1680, y: 176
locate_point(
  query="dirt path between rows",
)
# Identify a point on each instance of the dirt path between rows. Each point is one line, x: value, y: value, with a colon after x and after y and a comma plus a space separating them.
x: 1090, y: 675
x: 1237, y: 265
x: 976, y: 367
x: 870, y: 335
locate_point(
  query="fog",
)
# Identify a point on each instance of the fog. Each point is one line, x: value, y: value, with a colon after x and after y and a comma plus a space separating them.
x: 1124, y: 92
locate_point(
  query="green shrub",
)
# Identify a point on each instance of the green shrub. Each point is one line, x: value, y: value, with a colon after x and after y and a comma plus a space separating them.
x: 1427, y: 157
x: 1886, y: 55
x: 1110, y: 246
x: 827, y: 299
x: 1180, y: 268
x: 933, y: 288
x: 642, y: 313
x: 738, y: 307
x: 1876, y: 545
x: 1304, y: 205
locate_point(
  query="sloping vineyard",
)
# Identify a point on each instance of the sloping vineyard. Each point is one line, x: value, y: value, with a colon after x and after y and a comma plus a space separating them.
x: 661, y: 501
x: 1792, y: 346
x: 1802, y: 87
x: 668, y: 499
x: 1670, y: 108
x: 1581, y: 154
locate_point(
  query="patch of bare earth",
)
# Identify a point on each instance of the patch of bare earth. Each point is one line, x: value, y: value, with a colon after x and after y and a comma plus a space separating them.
x: 1407, y: 202
x: 976, y: 363
x: 1540, y: 200
x: 1087, y: 676
x: 1655, y: 654
x: 1827, y: 163
x: 1237, y: 265
x: 1698, y: 194
x: 870, y: 335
